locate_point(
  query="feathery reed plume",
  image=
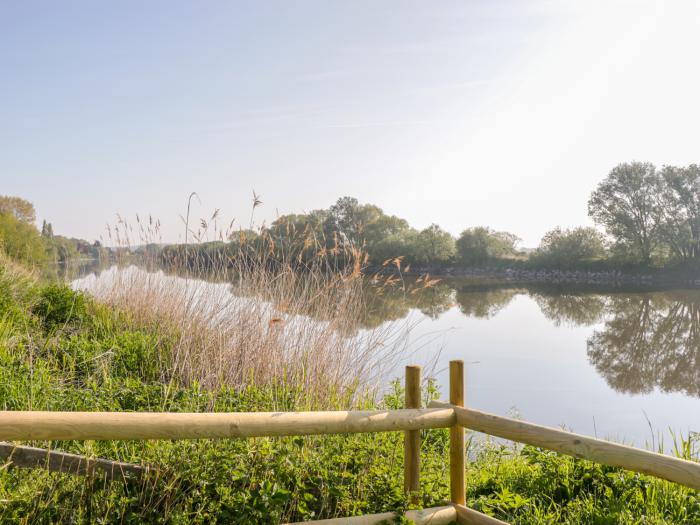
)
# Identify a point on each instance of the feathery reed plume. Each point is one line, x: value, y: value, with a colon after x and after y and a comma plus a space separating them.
x: 271, y: 306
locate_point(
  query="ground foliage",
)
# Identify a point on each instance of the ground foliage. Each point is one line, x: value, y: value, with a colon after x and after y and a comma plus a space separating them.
x: 60, y: 350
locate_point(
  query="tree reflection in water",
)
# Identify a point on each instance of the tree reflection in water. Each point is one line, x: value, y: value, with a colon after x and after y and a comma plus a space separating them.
x: 486, y: 304
x: 392, y: 303
x: 645, y: 340
x: 650, y: 340
x: 641, y: 340
x: 575, y: 309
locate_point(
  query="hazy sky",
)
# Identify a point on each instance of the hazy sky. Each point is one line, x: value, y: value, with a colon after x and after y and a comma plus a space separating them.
x: 463, y: 113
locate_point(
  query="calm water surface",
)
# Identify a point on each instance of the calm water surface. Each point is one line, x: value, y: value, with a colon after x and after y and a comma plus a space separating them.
x: 612, y: 364
x: 616, y: 364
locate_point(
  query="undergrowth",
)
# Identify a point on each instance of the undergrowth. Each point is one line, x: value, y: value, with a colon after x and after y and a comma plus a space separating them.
x: 62, y: 350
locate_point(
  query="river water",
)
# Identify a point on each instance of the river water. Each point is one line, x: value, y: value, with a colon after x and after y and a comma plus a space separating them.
x: 619, y: 364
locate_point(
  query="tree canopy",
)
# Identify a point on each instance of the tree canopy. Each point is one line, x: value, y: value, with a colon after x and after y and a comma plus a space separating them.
x: 570, y: 247
x: 21, y: 240
x: 481, y: 244
x: 651, y: 215
x: 625, y: 203
x: 21, y: 209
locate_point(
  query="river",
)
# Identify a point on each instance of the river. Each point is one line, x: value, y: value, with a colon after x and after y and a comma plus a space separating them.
x: 613, y: 363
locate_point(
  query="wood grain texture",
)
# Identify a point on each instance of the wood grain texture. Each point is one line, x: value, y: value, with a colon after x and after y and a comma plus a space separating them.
x: 457, y: 483
x: 659, y: 465
x: 434, y: 516
x: 55, y: 461
x: 162, y: 425
x: 411, y: 466
x: 467, y: 516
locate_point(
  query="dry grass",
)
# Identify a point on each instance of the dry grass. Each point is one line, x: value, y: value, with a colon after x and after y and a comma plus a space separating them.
x: 261, y: 316
x: 16, y: 280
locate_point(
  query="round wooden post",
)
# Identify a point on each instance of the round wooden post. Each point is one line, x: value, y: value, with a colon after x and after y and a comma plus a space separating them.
x: 411, y: 468
x: 457, y: 486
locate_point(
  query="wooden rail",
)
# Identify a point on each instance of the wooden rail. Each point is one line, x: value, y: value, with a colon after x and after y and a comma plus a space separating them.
x: 30, y: 457
x: 608, y: 453
x: 412, y: 419
x: 434, y: 516
x: 168, y: 425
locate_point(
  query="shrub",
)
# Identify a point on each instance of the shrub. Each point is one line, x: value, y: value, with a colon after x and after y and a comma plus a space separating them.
x: 58, y: 305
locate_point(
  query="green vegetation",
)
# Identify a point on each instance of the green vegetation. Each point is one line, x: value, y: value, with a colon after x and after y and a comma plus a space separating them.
x: 652, y: 216
x: 63, y: 350
x: 481, y: 245
x: 20, y: 239
x: 651, y: 220
x: 570, y: 248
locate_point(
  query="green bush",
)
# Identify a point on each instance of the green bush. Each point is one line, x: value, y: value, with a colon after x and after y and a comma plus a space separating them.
x: 102, y: 364
x: 59, y: 305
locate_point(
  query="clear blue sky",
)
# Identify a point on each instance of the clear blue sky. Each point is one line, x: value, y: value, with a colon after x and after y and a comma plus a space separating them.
x: 504, y: 113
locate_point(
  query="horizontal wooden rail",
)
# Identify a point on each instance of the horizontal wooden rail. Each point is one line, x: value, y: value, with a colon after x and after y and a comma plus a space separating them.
x: 467, y: 516
x: 55, y: 461
x: 434, y: 516
x: 176, y: 425
x: 666, y: 467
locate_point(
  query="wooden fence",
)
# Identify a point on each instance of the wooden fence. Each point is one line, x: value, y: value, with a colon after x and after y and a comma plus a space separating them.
x: 15, y: 425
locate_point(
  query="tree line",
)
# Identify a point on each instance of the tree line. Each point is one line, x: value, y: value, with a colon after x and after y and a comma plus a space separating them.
x: 21, y: 240
x: 645, y: 218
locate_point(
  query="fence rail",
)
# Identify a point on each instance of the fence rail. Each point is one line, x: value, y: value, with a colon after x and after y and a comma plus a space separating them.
x: 180, y: 425
x: 31, y: 457
x: 606, y: 452
x: 15, y: 425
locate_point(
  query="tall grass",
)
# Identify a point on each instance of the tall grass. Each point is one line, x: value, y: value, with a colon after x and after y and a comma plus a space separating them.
x: 259, y: 310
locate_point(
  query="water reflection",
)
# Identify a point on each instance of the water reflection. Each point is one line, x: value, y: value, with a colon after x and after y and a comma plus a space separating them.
x: 650, y: 341
x: 383, y: 304
x: 638, y: 341
x: 575, y: 309
x: 485, y: 304
x: 641, y: 340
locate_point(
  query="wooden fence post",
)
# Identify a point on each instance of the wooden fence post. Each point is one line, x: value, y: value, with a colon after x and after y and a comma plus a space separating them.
x: 457, y: 487
x: 411, y: 467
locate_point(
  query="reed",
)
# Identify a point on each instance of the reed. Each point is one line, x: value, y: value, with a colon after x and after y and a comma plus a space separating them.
x: 264, y: 307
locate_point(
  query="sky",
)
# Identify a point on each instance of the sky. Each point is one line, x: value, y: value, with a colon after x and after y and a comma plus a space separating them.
x: 504, y: 113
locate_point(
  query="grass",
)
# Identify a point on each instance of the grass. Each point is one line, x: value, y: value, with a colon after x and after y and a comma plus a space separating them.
x: 127, y: 348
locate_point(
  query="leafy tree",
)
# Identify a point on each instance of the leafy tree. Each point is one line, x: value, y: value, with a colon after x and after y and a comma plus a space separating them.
x: 626, y: 205
x: 21, y: 209
x: 382, y: 227
x: 679, y: 205
x: 401, y: 244
x: 347, y: 218
x: 434, y: 245
x: 481, y: 244
x: 570, y: 247
x: 361, y: 223
x: 47, y: 230
x: 21, y: 240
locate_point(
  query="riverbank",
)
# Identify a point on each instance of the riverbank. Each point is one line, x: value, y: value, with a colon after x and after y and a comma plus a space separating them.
x: 657, y: 278
x: 63, y: 350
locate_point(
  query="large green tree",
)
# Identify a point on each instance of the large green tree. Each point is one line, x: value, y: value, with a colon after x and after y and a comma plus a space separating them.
x: 21, y: 240
x: 434, y: 246
x: 570, y: 247
x: 679, y: 207
x: 481, y: 244
x: 626, y: 205
x: 21, y: 209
